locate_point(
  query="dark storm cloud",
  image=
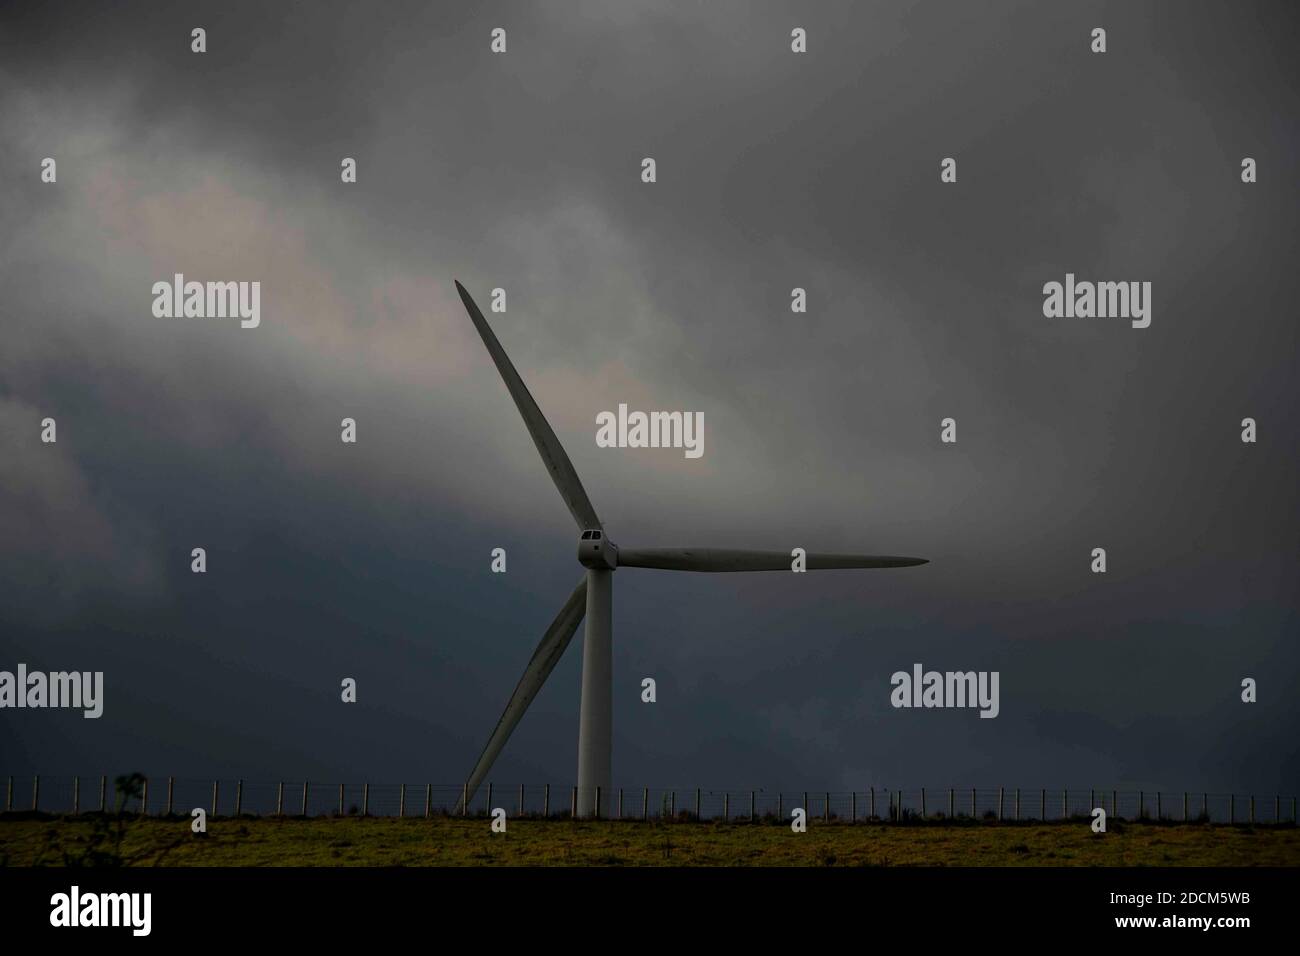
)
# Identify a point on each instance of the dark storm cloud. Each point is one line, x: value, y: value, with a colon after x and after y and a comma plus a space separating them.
x: 774, y: 171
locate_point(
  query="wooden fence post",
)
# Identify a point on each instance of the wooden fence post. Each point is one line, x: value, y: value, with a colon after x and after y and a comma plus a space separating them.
x: 780, y: 808
x: 279, y: 799
x: 872, y: 808
x: 464, y: 799
x: 973, y: 814
x: 304, y: 798
x: 521, y: 799
x: 1205, y: 805
x: 853, y: 807
x: 826, y: 808
x: 1160, y: 810
x: 342, y: 807
x: 923, y: 803
x: 751, y: 806
x: 144, y: 797
x: 1184, y: 806
x: 171, y: 790
x: 1142, y: 803
x: 672, y: 804
x: 573, y: 805
x: 401, y: 801
x: 1252, y: 808
x: 9, y: 795
x: 726, y: 806
x: 215, y: 791
x: 1017, y: 804
x: 805, y: 804
x: 546, y: 800
x: 645, y: 804
x: 597, y: 806
x: 36, y: 791
x: 239, y: 795
x: 1277, y: 808
x: 951, y: 804
x: 103, y: 793
x: 620, y: 803
x: 1042, y: 805
x: 1065, y: 804
x: 489, y: 800
x: 76, y: 795
x: 1232, y: 808
x: 1001, y: 795
x: 365, y: 798
x: 697, y: 803
x: 428, y: 800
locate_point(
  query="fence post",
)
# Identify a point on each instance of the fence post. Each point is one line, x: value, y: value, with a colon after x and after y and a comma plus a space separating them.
x: 36, y: 790
x: 672, y: 804
x: 620, y: 803
x: 342, y: 802
x: 573, y: 804
x: 780, y: 809
x: 751, y: 806
x: 1114, y: 804
x: 805, y: 804
x: 597, y: 806
x: 923, y: 803
x: 1065, y: 804
x: 546, y: 800
x: 1160, y: 811
x: 826, y: 808
x: 872, y: 808
x: 428, y: 800
x: 304, y: 798
x: 401, y: 801
x: 9, y: 795
x: 1232, y: 808
x: 464, y: 799
x: 521, y: 799
x: 1205, y: 805
x: 365, y: 798
x: 1042, y: 805
x: 726, y: 806
x: 973, y: 814
x: 853, y: 807
x: 1252, y: 808
x: 951, y: 797
x: 215, y: 786
x: 1184, y: 806
x: 489, y: 800
x: 103, y: 792
x: 1001, y: 795
x: 1092, y: 799
x: 279, y: 799
x: 1142, y: 803
x: 144, y: 797
x: 239, y: 795
x: 1017, y: 804
x: 645, y: 804
x: 171, y: 789
x: 697, y: 803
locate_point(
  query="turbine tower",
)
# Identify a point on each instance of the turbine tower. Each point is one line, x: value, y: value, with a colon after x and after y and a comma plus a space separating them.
x: 592, y: 598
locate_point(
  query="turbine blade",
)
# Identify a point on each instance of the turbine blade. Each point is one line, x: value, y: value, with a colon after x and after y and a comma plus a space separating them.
x: 731, y: 559
x: 543, y: 661
x: 548, y: 446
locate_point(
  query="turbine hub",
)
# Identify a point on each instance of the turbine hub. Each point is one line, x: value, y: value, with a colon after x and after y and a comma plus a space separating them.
x: 596, y: 551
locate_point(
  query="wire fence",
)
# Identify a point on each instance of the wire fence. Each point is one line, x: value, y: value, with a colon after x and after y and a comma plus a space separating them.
x: 231, y: 797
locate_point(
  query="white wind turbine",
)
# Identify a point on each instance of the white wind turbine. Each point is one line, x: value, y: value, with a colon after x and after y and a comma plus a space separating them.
x: 592, y: 597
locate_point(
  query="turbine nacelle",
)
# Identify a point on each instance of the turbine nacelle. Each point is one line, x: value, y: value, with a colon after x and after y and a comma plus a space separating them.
x: 596, y: 551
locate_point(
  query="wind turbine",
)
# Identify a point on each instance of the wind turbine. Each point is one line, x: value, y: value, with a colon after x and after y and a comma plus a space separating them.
x: 593, y: 596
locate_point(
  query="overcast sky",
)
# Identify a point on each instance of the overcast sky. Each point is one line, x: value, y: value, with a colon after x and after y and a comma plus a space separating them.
x: 775, y: 170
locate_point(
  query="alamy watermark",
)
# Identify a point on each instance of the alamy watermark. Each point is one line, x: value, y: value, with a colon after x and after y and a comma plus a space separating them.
x: 208, y: 300
x: 946, y: 689
x: 80, y: 689
x: 626, y: 429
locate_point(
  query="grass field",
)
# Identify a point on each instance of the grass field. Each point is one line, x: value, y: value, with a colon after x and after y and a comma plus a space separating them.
x: 352, y: 841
